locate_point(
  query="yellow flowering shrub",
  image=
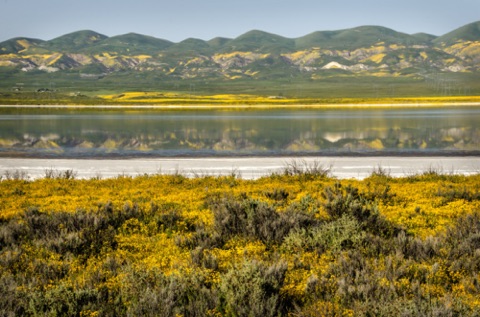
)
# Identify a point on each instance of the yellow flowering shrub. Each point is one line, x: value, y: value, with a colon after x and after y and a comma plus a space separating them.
x: 219, y: 246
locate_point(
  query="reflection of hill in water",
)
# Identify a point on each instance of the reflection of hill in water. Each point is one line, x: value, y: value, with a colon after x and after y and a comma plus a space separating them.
x: 242, y: 133
x: 232, y: 142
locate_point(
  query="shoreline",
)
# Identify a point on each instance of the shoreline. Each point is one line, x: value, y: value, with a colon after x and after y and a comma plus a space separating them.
x: 248, y: 106
x: 200, y: 156
x: 244, y: 167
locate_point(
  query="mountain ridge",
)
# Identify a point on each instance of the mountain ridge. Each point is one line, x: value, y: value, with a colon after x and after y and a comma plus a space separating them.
x: 81, y: 38
x: 74, y: 40
x: 468, y: 32
x: 254, y: 55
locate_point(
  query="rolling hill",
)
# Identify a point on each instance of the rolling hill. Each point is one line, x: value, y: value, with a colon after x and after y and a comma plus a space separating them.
x: 363, y: 36
x: 469, y: 32
x: 75, y: 41
x: 19, y: 45
x: 259, y: 41
x: 365, y: 51
x: 130, y: 43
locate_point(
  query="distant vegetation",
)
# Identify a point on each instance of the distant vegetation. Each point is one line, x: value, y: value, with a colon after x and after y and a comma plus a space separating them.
x: 363, y: 62
x: 167, y: 98
x: 296, y: 244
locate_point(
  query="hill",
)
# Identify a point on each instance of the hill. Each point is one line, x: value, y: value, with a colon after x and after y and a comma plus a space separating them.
x: 425, y: 37
x: 364, y: 36
x: 218, y: 42
x: 469, y: 32
x: 130, y: 43
x: 19, y: 45
x: 188, y: 46
x: 134, y: 60
x: 259, y: 41
x: 75, y: 41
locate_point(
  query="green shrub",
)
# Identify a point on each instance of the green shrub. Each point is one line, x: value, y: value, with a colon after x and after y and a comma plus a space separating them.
x: 254, y: 219
x: 348, y: 200
x: 155, y: 294
x: 340, y: 234
x: 253, y: 289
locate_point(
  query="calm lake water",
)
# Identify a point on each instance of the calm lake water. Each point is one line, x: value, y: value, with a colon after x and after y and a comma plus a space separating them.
x: 148, y: 133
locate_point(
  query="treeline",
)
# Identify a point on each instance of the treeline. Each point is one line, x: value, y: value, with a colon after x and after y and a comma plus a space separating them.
x: 228, y: 247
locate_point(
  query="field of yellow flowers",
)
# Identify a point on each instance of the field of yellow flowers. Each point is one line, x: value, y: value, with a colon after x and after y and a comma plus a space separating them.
x: 233, y: 100
x: 296, y: 244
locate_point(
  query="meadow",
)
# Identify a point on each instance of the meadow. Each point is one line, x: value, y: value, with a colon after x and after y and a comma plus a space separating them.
x: 299, y: 243
x: 185, y: 100
x: 280, y: 90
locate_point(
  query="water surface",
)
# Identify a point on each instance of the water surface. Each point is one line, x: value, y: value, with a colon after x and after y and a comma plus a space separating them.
x: 154, y: 133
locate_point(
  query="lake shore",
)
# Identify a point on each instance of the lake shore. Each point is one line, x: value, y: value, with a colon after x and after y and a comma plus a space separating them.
x: 246, y: 168
x: 248, y: 106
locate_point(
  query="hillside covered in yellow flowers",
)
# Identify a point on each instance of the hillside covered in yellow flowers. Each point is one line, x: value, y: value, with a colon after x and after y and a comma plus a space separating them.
x: 371, y: 62
x: 296, y: 244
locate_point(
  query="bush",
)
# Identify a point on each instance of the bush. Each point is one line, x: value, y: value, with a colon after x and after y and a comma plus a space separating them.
x: 349, y: 201
x: 155, y: 294
x: 340, y: 234
x: 254, y: 289
x: 451, y: 193
x: 463, y: 243
x: 305, y: 170
x: 254, y: 219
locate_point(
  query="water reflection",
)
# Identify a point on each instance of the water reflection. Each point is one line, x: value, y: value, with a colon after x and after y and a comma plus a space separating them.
x: 275, y: 132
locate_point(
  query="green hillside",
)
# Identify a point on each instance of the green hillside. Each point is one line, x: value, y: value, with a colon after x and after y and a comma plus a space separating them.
x: 74, y: 41
x: 256, y: 40
x: 189, y: 45
x: 353, y: 62
x: 315, y: 39
x: 364, y: 36
x: 18, y: 44
x: 218, y: 42
x: 424, y: 37
x: 469, y: 32
x: 130, y: 43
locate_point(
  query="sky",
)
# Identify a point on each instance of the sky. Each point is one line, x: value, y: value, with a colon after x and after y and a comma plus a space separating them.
x: 176, y: 20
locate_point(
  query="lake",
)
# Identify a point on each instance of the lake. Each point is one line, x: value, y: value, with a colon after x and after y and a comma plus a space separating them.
x: 67, y: 133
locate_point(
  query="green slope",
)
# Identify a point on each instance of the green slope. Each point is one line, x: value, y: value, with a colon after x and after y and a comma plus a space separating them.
x: 190, y: 45
x: 315, y: 39
x: 425, y: 37
x: 469, y: 32
x: 87, y: 41
x: 363, y: 36
x: 260, y: 41
x: 218, y: 42
x: 18, y: 44
x: 261, y: 62
x: 130, y: 43
x: 73, y: 42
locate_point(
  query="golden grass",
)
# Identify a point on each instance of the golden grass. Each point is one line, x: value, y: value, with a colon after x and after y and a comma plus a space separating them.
x: 169, y: 98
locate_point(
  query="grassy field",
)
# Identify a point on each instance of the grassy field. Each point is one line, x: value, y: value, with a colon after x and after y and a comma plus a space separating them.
x: 119, y: 88
x: 297, y: 244
x: 142, y: 98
